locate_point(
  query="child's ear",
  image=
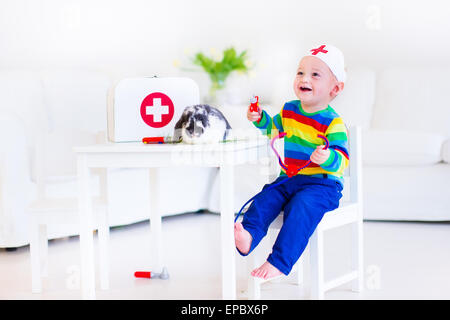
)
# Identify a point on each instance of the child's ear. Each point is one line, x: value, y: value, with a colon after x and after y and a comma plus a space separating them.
x: 339, y: 86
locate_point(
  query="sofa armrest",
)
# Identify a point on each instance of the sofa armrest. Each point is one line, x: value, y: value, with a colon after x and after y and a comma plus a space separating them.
x: 15, y: 181
x: 14, y: 146
x: 445, y: 152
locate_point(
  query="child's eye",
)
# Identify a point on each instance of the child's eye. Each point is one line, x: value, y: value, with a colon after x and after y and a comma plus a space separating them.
x: 299, y: 73
x: 315, y: 74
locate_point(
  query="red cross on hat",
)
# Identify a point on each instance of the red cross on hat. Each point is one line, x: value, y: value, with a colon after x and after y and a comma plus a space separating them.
x: 319, y: 49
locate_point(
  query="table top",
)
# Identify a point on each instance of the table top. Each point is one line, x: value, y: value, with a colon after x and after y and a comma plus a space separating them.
x: 139, y: 147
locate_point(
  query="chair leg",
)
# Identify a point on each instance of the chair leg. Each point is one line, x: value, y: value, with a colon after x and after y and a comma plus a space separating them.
x: 299, y: 279
x: 103, y: 237
x: 254, y: 289
x: 43, y: 247
x: 317, y: 265
x: 35, y: 255
x: 357, y: 255
x: 253, y: 285
x: 303, y: 277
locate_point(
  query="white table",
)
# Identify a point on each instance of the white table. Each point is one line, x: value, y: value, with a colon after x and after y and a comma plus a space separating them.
x: 138, y: 155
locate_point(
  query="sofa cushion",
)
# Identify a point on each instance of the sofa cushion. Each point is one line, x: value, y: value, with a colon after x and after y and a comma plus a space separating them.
x: 406, y: 193
x: 402, y: 148
x: 446, y: 151
x: 413, y: 99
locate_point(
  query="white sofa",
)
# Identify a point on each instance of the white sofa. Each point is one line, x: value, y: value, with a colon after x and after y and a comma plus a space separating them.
x: 406, y: 148
x: 406, y: 141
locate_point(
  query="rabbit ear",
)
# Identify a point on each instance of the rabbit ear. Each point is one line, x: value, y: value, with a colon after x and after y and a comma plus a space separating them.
x: 177, y: 134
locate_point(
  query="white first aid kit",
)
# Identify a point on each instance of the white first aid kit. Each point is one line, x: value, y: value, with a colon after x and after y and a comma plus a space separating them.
x: 148, y: 107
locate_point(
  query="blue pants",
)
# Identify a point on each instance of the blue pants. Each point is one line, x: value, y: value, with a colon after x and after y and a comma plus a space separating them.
x: 304, y: 201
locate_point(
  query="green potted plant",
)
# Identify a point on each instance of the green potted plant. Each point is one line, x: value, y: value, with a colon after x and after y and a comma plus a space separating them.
x: 219, y: 70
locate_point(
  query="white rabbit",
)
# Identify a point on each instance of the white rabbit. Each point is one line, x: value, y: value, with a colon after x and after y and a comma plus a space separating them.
x: 201, y: 124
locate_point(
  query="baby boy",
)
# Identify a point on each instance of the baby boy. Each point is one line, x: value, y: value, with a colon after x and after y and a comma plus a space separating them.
x: 316, y: 189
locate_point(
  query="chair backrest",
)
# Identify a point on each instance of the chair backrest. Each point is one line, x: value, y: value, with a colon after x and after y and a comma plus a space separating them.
x: 353, y: 174
x: 76, y: 103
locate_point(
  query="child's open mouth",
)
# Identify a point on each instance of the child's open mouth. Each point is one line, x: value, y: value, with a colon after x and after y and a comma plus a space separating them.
x: 305, y: 89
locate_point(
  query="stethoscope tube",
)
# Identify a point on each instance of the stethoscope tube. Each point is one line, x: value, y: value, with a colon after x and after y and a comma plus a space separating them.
x: 279, y: 136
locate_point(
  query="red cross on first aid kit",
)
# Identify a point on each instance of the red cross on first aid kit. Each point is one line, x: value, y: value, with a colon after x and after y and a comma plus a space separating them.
x: 148, y: 107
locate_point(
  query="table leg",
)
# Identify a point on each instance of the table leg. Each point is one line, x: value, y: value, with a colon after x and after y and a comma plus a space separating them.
x: 155, y: 223
x: 227, y: 232
x: 103, y: 243
x: 86, y: 228
x: 103, y: 231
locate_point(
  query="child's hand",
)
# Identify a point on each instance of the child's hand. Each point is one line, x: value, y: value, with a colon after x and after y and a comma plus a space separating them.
x: 319, y: 155
x: 254, y: 116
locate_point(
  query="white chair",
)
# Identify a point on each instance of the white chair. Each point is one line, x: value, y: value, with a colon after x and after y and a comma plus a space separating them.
x: 68, y: 97
x: 59, y: 212
x: 349, y: 212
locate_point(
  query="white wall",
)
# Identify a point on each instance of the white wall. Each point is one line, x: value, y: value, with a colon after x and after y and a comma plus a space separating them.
x: 140, y: 37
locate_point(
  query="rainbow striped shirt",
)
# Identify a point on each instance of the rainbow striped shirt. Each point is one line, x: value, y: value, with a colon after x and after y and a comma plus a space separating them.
x: 305, y: 127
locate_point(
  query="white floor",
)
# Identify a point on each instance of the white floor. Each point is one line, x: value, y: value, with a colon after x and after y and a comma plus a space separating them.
x: 403, y: 260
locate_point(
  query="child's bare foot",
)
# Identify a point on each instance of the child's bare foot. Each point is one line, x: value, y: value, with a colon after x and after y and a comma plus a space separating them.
x: 242, y: 238
x: 266, y: 271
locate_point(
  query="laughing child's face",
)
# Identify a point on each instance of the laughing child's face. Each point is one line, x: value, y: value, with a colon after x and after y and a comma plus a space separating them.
x: 314, y: 84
